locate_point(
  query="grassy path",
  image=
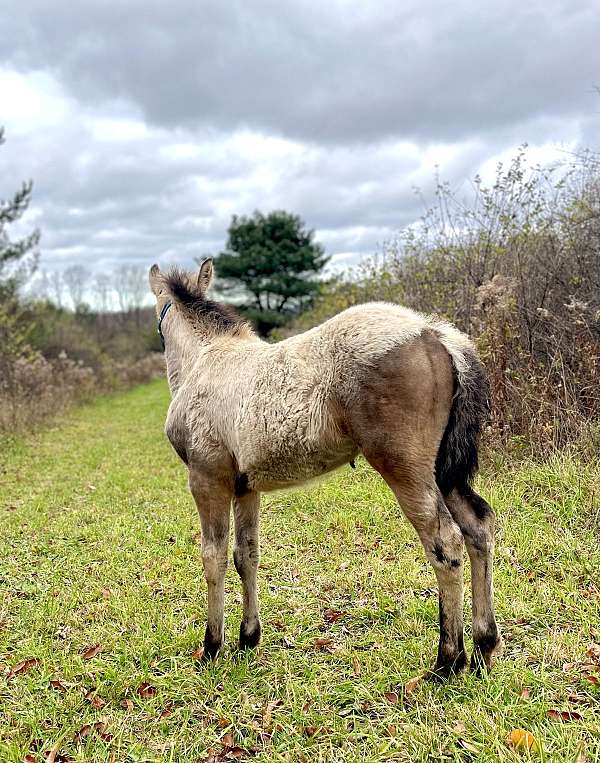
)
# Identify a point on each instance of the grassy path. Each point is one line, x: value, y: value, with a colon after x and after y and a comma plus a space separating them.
x: 99, y: 545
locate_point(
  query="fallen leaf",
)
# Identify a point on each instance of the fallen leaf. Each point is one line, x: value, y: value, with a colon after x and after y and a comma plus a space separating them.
x: 592, y: 679
x: 412, y: 684
x: 91, y: 651
x: 564, y: 715
x: 522, y: 740
x: 333, y: 615
x: 84, y: 731
x: 459, y: 727
x: 355, y: 665
x: 310, y: 731
x: 391, y: 731
x: 524, y: 693
x: 391, y: 696
x: 198, y: 654
x: 24, y: 666
x: 267, y: 713
x: 167, y: 711
x: 593, y: 651
x: 324, y: 645
x: 146, y: 690
x: 233, y: 753
x: 94, y: 699
x: 29, y: 759
x: 55, y: 683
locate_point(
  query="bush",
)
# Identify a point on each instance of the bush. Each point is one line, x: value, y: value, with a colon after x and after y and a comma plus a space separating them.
x: 517, y: 266
x: 36, y: 388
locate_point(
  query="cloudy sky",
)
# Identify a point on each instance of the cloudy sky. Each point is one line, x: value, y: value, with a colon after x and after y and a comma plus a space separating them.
x: 146, y: 125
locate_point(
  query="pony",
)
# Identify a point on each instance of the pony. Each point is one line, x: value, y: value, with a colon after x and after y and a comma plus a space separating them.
x: 405, y: 390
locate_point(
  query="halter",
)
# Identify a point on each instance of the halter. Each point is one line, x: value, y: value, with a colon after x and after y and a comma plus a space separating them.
x: 163, y: 312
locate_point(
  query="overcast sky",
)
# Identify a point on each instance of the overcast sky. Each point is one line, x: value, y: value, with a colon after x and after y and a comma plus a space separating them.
x: 146, y: 125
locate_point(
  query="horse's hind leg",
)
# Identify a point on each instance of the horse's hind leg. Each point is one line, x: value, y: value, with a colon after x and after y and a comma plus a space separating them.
x: 246, y: 557
x: 476, y: 520
x: 442, y: 539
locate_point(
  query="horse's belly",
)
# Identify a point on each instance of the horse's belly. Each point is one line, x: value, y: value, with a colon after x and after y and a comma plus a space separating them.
x: 275, y: 471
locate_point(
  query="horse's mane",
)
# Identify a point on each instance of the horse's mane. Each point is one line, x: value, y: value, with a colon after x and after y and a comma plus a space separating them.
x: 218, y: 317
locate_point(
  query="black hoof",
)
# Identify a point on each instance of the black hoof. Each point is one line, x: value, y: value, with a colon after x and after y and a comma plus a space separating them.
x: 483, y: 651
x: 447, y: 666
x: 211, y: 646
x: 249, y: 638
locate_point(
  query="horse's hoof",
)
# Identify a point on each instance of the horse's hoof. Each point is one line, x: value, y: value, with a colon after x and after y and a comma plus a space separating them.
x: 483, y: 652
x: 211, y: 647
x: 446, y: 667
x: 249, y: 638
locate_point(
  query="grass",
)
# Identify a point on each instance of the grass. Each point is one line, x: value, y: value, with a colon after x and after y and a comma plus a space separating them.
x: 99, y: 545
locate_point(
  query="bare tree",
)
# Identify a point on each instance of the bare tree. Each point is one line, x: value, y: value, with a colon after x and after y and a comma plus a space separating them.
x: 103, y: 289
x: 56, y: 287
x: 76, y: 278
x: 130, y: 285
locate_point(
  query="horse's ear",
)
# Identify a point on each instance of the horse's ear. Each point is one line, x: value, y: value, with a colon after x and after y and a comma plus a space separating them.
x: 154, y: 279
x: 205, y: 274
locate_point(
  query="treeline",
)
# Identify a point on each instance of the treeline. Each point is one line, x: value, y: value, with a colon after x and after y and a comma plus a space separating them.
x: 516, y: 264
x: 52, y: 356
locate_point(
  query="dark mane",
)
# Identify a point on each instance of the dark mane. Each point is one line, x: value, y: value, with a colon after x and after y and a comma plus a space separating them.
x: 222, y: 319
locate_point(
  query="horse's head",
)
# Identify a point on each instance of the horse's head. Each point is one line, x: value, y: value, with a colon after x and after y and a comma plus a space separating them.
x: 198, y: 283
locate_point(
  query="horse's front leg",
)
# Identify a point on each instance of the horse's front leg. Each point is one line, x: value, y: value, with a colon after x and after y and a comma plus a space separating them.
x: 214, y: 504
x: 246, y: 556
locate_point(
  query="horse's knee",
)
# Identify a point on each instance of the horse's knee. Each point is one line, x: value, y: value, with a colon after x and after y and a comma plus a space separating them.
x: 214, y: 560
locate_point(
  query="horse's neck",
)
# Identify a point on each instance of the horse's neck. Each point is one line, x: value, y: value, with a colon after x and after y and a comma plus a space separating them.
x: 181, y: 350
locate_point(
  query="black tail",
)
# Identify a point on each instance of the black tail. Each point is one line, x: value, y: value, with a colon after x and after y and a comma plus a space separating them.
x: 457, y: 458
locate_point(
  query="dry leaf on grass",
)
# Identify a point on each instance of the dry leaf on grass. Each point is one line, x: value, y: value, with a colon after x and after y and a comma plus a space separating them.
x: 56, y: 683
x: 333, y: 615
x: 146, y: 690
x: 522, y: 740
x: 355, y: 665
x: 268, y: 711
x: 198, y: 654
x: 593, y: 651
x: 167, y: 711
x: 525, y: 693
x: 391, y: 696
x: 592, y: 679
x: 94, y: 699
x: 324, y: 645
x: 127, y: 704
x: 24, y: 666
x: 310, y: 731
x: 564, y: 715
x: 412, y: 684
x: 91, y: 651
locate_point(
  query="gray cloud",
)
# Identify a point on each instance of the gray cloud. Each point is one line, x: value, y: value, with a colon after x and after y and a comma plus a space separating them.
x: 146, y: 125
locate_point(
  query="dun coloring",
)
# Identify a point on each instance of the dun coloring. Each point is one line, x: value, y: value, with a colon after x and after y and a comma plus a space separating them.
x: 405, y: 390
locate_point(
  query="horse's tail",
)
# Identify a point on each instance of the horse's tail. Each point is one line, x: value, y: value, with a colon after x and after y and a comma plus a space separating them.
x: 457, y: 458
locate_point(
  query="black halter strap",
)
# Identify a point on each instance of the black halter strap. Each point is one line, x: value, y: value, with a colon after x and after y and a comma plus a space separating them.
x: 163, y: 312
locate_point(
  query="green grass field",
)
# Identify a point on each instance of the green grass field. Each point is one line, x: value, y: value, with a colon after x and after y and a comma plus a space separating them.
x: 99, y: 546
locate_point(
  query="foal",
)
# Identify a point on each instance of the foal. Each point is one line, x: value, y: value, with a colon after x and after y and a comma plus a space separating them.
x: 405, y: 390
